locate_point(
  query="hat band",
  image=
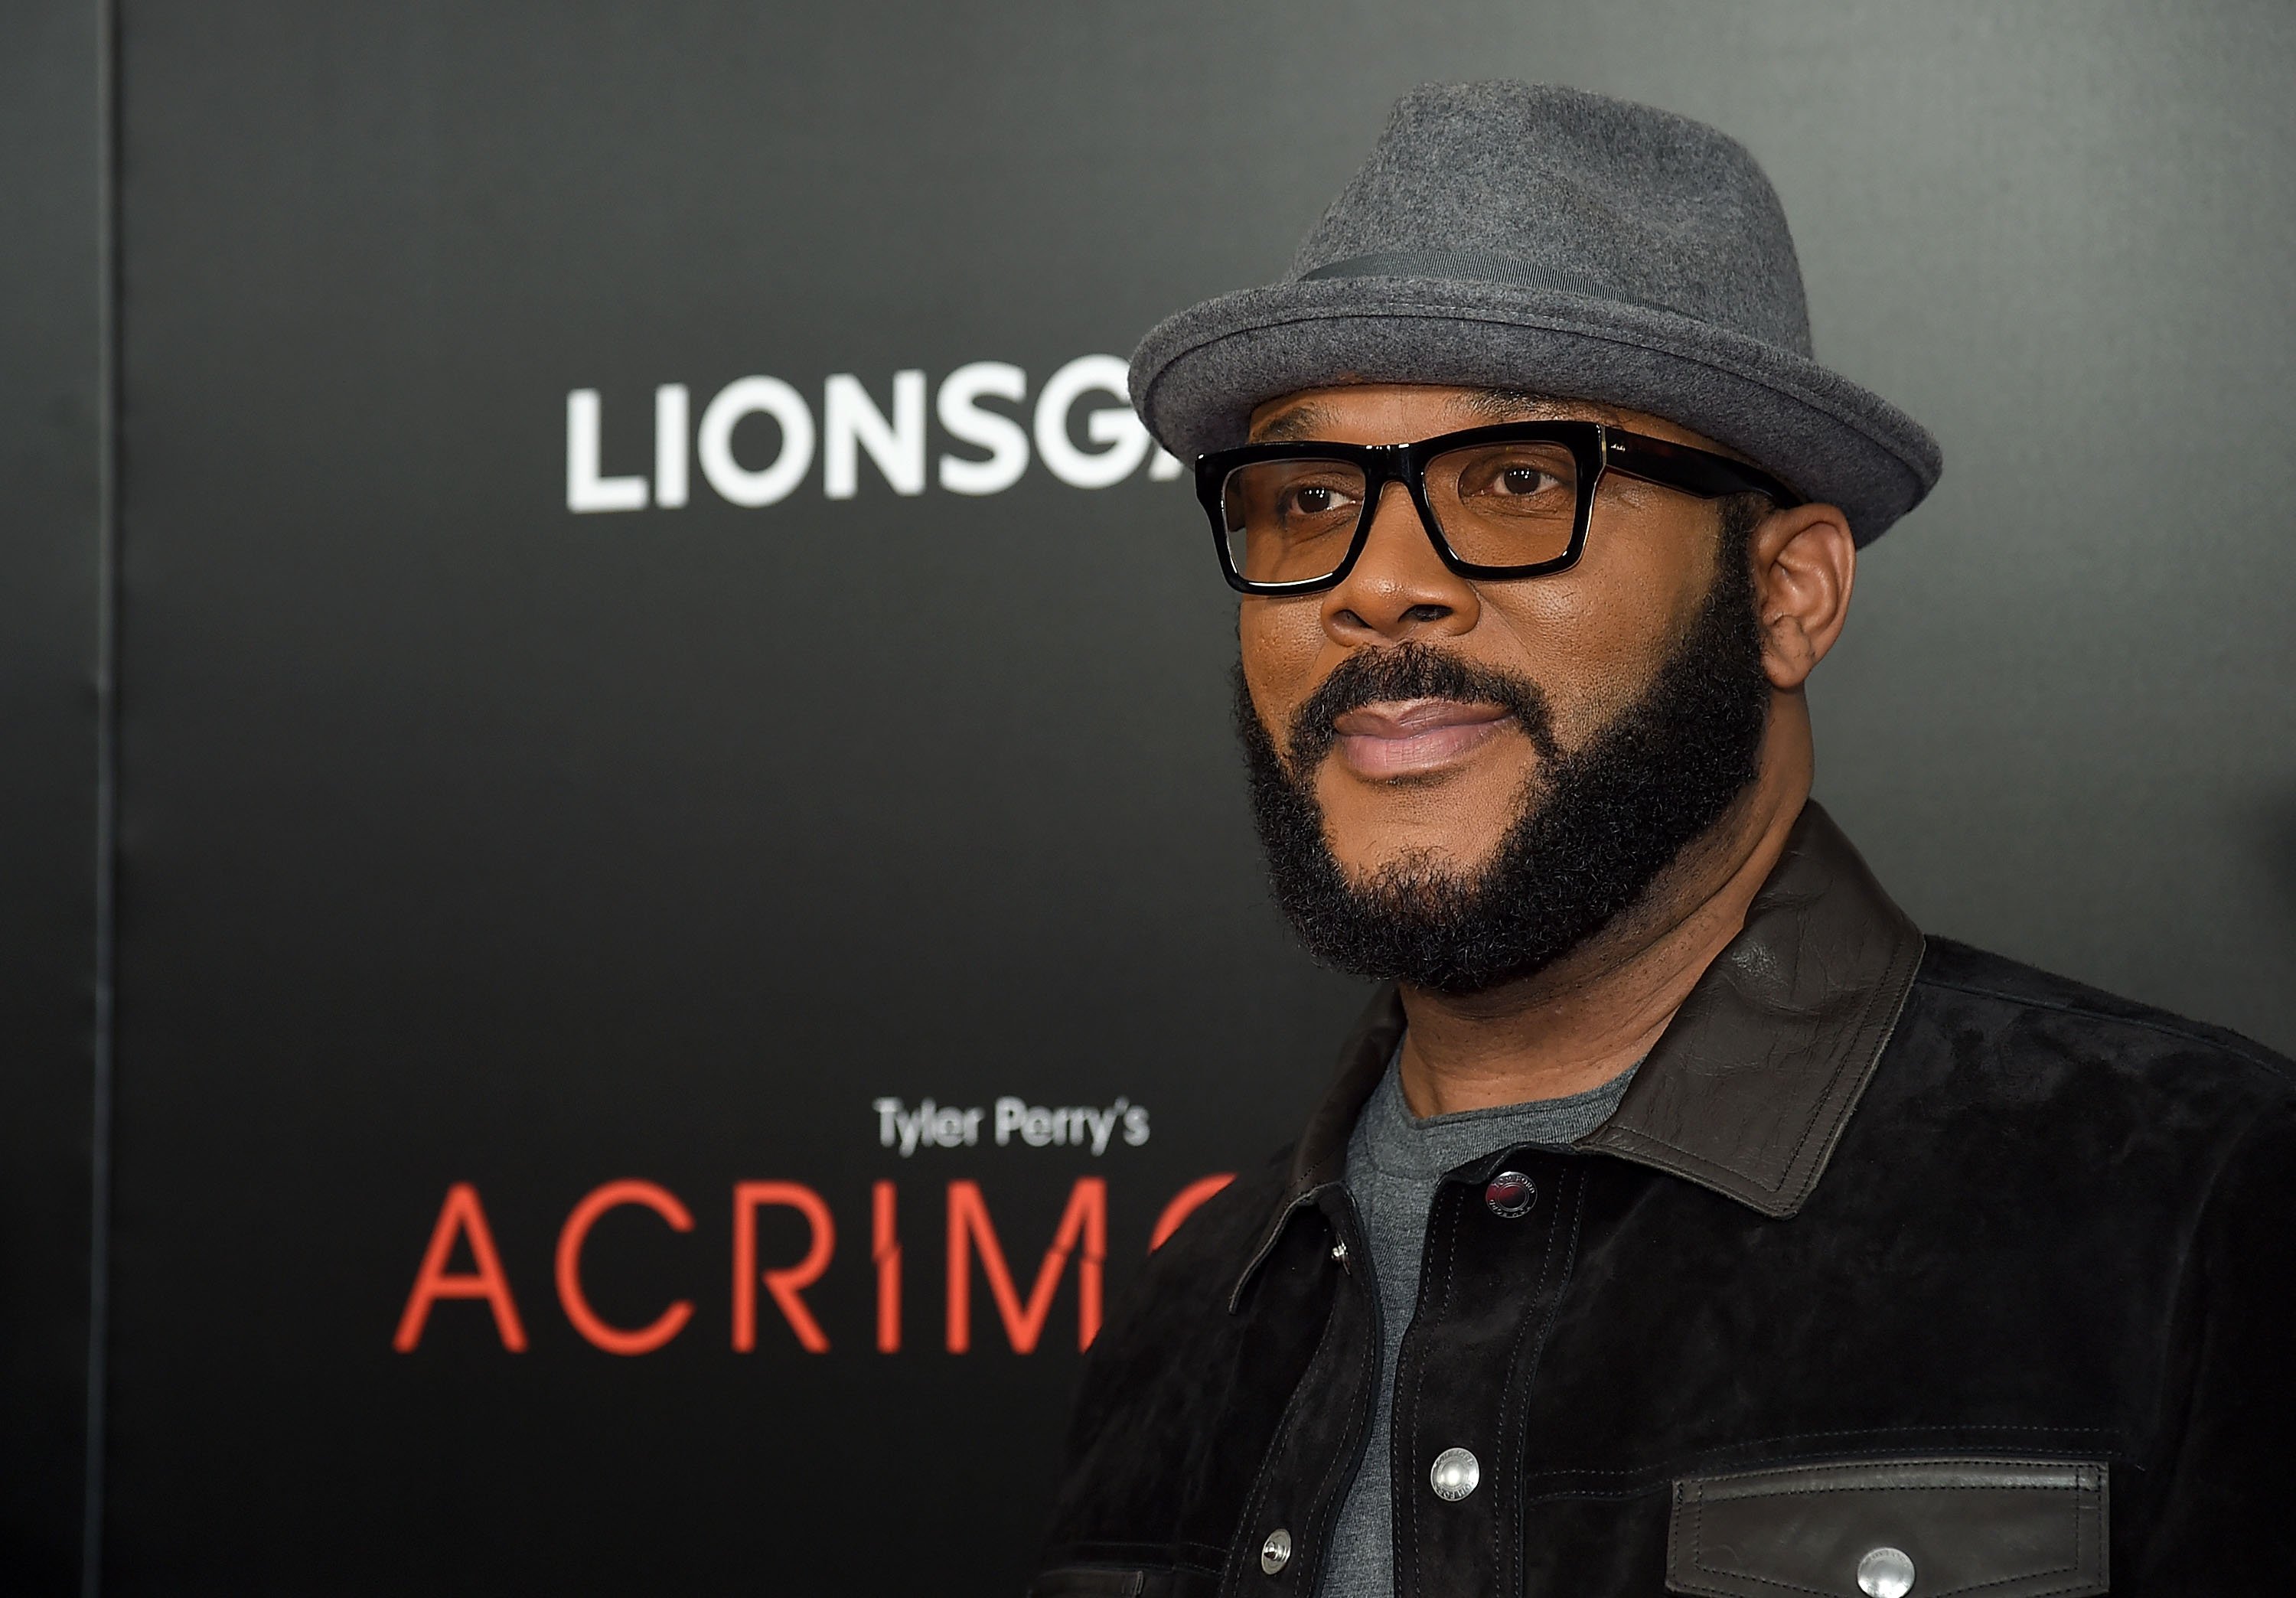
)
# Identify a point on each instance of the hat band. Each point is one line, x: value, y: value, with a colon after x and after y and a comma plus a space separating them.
x: 1467, y: 266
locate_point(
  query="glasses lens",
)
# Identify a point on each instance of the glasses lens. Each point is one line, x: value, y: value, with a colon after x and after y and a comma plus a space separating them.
x: 1505, y: 505
x: 1290, y: 520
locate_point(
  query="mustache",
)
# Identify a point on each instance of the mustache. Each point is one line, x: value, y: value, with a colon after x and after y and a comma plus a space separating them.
x: 1406, y: 671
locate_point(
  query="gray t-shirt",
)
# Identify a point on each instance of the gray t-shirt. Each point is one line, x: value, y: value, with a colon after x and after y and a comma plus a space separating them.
x: 1395, y: 1162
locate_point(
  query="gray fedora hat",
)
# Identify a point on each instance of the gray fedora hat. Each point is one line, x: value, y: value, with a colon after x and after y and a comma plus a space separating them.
x: 1527, y: 236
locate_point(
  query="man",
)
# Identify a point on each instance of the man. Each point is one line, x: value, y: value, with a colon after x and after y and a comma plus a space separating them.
x: 1680, y: 1218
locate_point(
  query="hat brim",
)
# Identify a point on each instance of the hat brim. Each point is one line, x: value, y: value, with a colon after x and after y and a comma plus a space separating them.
x: 1197, y: 377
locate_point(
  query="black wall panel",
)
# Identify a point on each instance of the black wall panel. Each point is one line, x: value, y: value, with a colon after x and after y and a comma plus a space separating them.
x: 54, y: 195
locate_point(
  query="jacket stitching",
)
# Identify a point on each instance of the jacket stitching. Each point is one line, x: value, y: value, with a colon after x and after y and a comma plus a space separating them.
x: 1285, y: 1433
x: 1659, y: 1473
x: 1274, y: 1235
x: 1618, y: 1496
x: 1815, y: 1471
x: 1897, y: 986
x: 1818, y: 1489
x: 1511, y: 1454
x: 2249, y: 1054
x: 1398, y: 1441
x: 1319, y: 1504
x: 1569, y: 1258
x: 1843, y: 1058
x: 1503, y: 1452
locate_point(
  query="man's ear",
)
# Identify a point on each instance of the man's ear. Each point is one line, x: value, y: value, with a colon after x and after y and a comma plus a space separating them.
x: 1804, y: 563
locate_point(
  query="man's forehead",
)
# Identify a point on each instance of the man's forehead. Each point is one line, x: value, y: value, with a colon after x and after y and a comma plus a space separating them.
x: 1400, y: 411
x: 1321, y: 413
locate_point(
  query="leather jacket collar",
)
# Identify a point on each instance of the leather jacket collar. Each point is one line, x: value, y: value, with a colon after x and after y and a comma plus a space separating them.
x: 1749, y: 1087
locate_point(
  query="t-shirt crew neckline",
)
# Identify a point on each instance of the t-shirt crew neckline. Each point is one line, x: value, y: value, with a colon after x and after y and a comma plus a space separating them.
x: 1398, y: 1144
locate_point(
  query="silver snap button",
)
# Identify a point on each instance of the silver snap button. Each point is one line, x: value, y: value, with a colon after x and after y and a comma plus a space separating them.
x: 1455, y: 1475
x: 1885, y: 1573
x: 1275, y: 1552
x: 1510, y: 1193
x: 1339, y: 1252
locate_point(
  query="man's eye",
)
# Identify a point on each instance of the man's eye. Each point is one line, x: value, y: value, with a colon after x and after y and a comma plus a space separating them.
x: 1313, y: 499
x: 1524, y: 481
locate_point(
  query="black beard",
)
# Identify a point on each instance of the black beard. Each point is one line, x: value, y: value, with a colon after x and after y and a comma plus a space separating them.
x: 1595, y: 828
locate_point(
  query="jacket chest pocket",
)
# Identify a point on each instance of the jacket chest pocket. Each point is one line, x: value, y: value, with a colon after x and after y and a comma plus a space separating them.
x: 1892, y: 1529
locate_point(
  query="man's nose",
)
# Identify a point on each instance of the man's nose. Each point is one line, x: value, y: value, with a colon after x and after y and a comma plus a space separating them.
x: 1398, y: 587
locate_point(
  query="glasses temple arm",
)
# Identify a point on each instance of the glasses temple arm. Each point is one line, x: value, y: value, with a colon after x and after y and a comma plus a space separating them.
x: 1693, y: 470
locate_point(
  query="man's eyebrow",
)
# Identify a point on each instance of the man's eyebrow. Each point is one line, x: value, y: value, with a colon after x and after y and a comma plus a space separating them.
x: 1300, y: 421
x: 1507, y: 404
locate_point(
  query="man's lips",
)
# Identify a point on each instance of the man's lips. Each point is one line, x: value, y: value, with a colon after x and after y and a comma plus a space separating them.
x: 1408, y: 737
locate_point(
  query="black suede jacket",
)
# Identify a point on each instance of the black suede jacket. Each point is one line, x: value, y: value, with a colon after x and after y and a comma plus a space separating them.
x: 1900, y: 1269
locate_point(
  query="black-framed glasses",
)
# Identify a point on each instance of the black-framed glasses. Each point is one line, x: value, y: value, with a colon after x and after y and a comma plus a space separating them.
x: 1508, y: 501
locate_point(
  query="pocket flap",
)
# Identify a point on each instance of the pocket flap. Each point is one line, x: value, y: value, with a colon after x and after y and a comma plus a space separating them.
x: 1891, y: 1528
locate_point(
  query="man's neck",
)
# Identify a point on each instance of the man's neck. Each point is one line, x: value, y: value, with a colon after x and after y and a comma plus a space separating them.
x: 1596, y: 1013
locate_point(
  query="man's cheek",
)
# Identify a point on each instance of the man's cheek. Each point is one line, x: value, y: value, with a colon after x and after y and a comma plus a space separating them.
x: 1277, y: 704
x: 1279, y: 642
x: 1276, y: 717
x: 1582, y: 703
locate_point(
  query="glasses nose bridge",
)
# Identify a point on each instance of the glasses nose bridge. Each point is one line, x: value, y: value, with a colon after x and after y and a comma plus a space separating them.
x: 1399, y: 466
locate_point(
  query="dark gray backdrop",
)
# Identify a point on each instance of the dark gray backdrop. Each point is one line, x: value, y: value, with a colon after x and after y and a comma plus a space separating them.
x: 54, y: 291
x: 464, y: 839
